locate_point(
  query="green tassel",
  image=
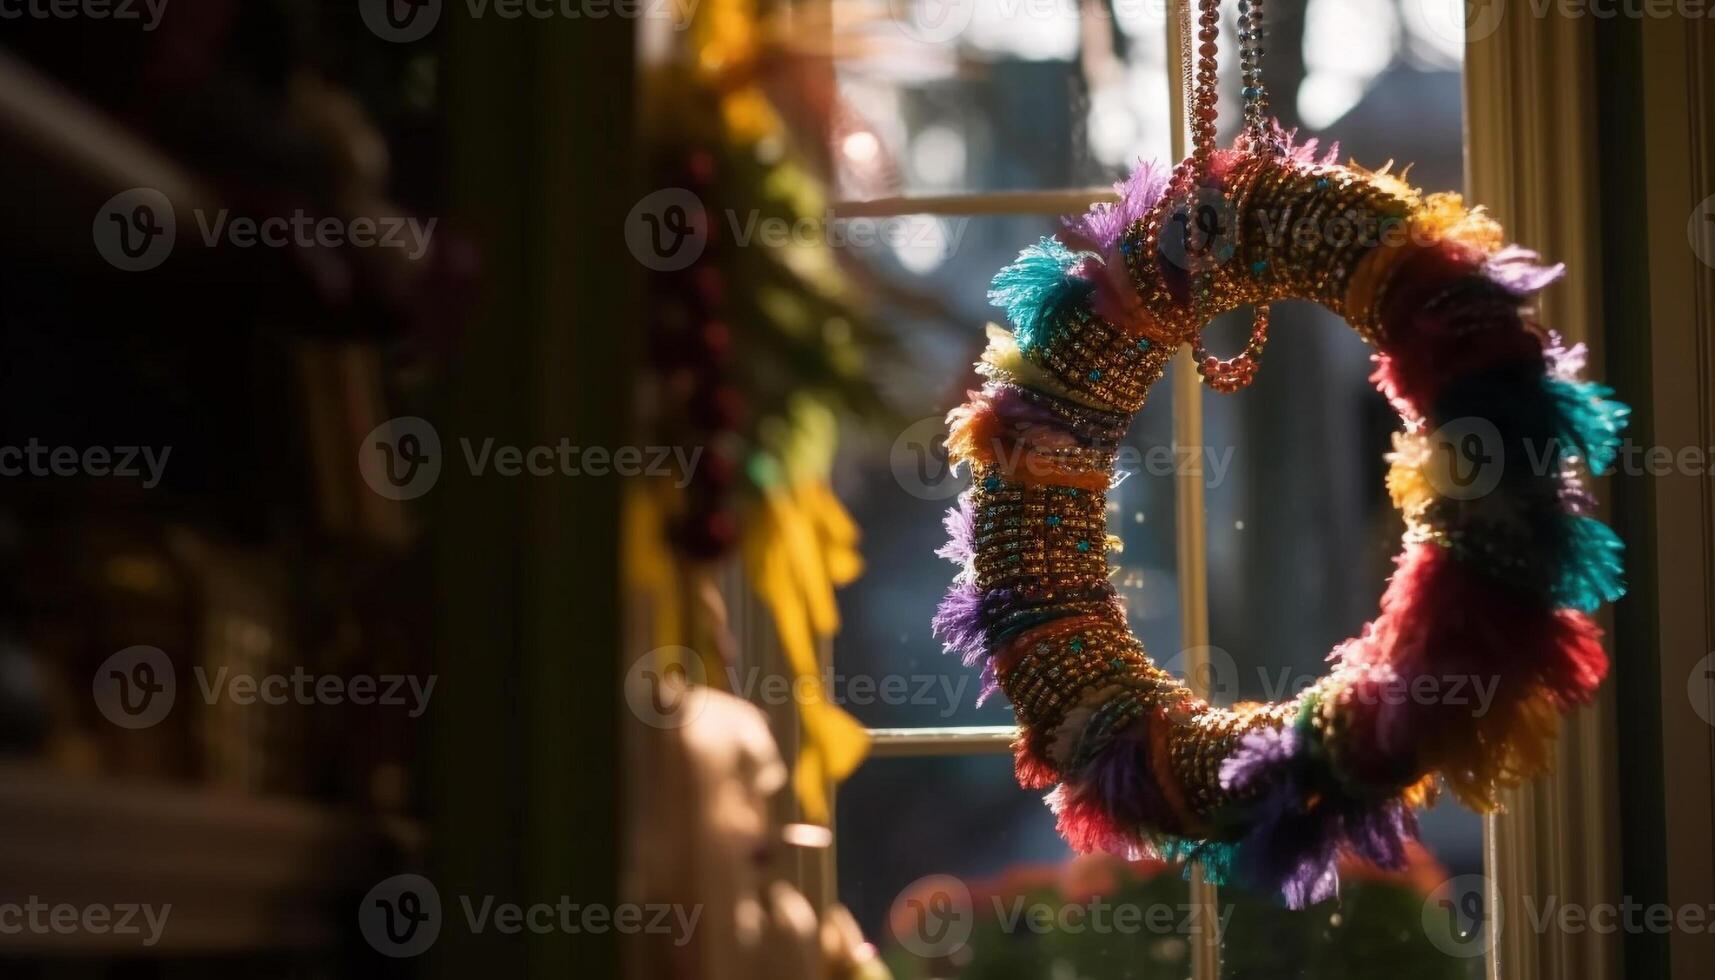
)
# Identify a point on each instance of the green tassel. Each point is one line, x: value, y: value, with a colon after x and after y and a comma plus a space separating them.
x: 1036, y: 288
x: 1592, y: 565
x: 1216, y: 857
x: 1590, y: 420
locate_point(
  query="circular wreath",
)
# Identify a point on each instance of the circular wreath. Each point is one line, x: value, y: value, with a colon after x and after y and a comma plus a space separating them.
x: 1501, y: 562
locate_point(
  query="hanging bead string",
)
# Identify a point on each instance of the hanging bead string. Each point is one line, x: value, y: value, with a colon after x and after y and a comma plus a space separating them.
x: 1223, y: 374
x: 1250, y: 64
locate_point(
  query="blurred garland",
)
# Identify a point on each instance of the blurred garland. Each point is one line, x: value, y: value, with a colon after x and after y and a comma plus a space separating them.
x: 755, y: 349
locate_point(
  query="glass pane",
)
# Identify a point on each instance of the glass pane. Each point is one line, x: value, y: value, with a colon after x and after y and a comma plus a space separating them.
x: 1300, y: 529
x: 889, y: 670
x: 956, y: 872
x: 954, y: 96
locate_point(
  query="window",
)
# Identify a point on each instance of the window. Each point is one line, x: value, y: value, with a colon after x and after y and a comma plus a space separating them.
x: 966, y: 129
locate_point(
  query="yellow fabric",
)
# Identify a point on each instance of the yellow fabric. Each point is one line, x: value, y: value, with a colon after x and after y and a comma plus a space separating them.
x: 801, y: 545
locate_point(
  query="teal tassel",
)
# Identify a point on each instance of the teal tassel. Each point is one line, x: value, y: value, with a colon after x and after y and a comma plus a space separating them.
x: 1036, y: 288
x: 1590, y: 421
x: 1592, y: 566
x: 1216, y: 857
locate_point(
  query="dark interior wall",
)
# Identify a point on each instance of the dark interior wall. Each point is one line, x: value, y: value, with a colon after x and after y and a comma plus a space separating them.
x: 541, y: 122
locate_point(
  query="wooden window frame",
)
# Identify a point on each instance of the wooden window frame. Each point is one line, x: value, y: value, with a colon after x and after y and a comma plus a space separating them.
x: 1534, y: 164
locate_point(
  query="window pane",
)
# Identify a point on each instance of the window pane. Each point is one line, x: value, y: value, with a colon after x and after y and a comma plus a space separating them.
x: 1300, y: 529
x: 890, y: 671
x: 956, y: 872
x: 949, y: 96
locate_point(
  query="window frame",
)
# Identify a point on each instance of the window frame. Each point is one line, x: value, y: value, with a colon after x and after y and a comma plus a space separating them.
x: 1557, y: 833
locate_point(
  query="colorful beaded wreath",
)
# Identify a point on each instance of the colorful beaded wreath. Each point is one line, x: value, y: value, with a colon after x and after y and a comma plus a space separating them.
x: 1495, y: 581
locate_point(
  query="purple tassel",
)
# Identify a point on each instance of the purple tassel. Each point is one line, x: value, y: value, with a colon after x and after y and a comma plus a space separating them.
x: 1516, y: 270
x: 1122, y: 777
x: 958, y: 622
x: 1283, y: 142
x: 961, y: 546
x: 1025, y: 414
x: 1293, y: 850
x: 1114, y: 803
x: 1099, y: 229
x: 988, y: 684
x: 1565, y: 363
